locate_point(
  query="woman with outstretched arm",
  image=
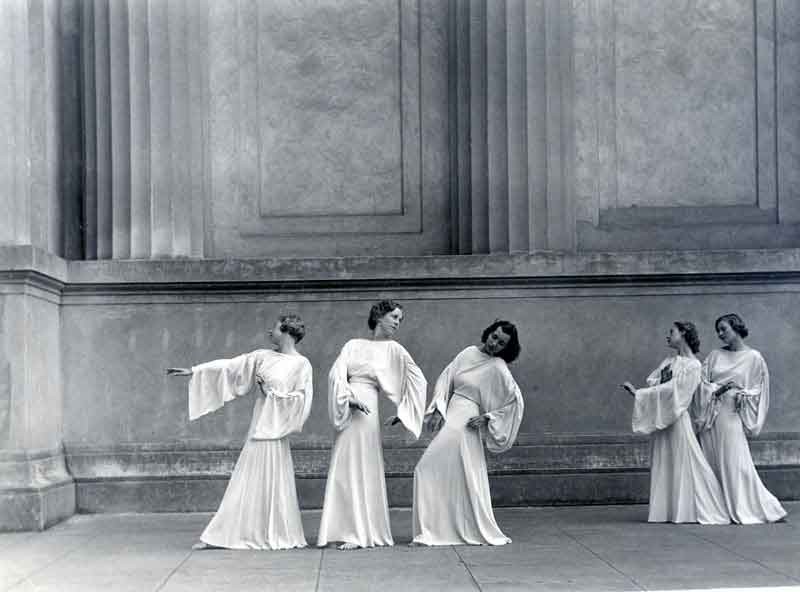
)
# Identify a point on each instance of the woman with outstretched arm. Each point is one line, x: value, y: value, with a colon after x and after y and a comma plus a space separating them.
x: 683, y: 487
x: 259, y: 509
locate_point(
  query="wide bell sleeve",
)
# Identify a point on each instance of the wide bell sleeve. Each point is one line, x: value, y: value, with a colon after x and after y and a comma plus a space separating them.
x: 705, y: 406
x: 284, y: 413
x: 754, y: 400
x: 405, y: 385
x: 504, y: 420
x: 339, y: 393
x: 658, y: 407
x: 215, y: 383
x: 442, y: 390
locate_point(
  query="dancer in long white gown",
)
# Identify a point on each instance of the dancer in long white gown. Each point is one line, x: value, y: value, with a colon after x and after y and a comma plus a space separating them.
x: 683, y: 487
x: 732, y: 402
x: 356, y: 509
x: 475, y: 400
x: 259, y: 509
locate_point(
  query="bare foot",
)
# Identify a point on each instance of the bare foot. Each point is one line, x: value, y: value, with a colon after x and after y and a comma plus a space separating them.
x: 414, y: 544
x: 200, y: 546
x: 348, y: 547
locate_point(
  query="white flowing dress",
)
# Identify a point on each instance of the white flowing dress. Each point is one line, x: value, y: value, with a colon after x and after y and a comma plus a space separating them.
x: 683, y: 487
x: 452, y: 501
x: 723, y: 424
x: 356, y: 508
x: 259, y: 509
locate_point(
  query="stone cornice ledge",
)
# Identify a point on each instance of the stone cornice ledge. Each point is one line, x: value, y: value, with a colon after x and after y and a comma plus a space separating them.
x: 27, y: 260
x: 546, y: 267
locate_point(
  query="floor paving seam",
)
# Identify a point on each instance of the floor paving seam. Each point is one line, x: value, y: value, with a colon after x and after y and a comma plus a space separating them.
x: 174, y: 570
x: 469, y: 571
x: 583, y: 545
x: 319, y: 569
x: 746, y: 558
x: 40, y: 569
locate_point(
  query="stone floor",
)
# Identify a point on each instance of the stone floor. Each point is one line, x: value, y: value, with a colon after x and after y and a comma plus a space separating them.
x: 573, y: 548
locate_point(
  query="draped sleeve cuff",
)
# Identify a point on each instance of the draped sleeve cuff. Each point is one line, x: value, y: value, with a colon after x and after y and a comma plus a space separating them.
x: 501, y: 430
x: 215, y: 383
x: 339, y: 393
x: 411, y: 407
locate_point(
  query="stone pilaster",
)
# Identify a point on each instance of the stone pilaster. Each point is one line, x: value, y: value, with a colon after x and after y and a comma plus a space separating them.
x: 145, y: 123
x: 511, y: 65
x: 36, y: 490
x: 39, y: 183
x: 36, y: 124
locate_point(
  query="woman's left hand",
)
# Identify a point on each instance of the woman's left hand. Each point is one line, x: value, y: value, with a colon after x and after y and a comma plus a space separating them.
x: 392, y: 420
x: 630, y: 388
x: 479, y: 421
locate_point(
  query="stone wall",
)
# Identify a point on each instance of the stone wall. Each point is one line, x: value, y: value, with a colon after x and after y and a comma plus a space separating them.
x: 588, y: 322
x: 175, y: 173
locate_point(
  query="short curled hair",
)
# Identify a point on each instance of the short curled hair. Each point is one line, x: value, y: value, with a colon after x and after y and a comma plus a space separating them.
x: 294, y: 326
x: 735, y: 322
x: 690, y: 336
x: 379, y: 309
x: 511, y: 351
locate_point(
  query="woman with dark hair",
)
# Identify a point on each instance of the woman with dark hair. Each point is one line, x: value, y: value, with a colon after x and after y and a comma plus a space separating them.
x: 731, y: 404
x: 475, y: 401
x: 356, y: 510
x: 683, y: 487
x: 259, y: 509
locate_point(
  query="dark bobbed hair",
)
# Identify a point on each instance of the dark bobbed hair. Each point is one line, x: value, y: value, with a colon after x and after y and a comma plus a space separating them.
x: 736, y: 323
x: 690, y: 336
x: 511, y: 351
x: 293, y: 325
x: 379, y: 309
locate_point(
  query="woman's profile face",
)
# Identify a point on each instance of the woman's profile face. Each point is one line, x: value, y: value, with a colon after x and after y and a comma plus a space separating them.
x: 496, y: 341
x: 725, y: 333
x: 674, y: 337
x: 390, y: 322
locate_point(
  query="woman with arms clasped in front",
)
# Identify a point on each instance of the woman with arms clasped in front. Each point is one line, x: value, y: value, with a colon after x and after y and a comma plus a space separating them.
x: 732, y: 402
x: 259, y: 509
x: 683, y: 487
x: 356, y: 510
x: 475, y: 400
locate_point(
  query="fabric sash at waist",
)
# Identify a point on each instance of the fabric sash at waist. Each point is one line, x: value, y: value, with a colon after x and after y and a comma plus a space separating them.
x: 474, y: 397
x: 362, y: 380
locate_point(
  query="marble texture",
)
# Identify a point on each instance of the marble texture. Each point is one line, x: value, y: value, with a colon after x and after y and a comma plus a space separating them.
x: 345, y: 146
x: 788, y: 101
x: 685, y: 103
x: 682, y: 104
x: 329, y: 119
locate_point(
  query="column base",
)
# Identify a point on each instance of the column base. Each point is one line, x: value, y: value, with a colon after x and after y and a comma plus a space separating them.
x: 36, y: 490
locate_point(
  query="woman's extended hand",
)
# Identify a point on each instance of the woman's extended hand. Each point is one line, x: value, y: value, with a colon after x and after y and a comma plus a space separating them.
x: 479, y: 421
x: 359, y: 406
x: 434, y: 421
x: 179, y: 371
x: 390, y: 421
x: 629, y: 387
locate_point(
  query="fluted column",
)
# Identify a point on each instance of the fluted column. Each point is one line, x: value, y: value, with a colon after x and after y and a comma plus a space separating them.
x: 35, y: 180
x: 146, y: 106
x: 511, y: 64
